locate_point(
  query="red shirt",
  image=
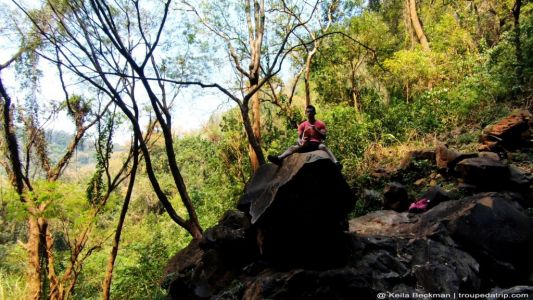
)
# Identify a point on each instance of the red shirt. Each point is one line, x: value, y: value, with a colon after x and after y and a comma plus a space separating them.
x: 309, y: 134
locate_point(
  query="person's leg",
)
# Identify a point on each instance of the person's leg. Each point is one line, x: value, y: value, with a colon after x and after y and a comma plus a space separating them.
x: 278, y: 159
x: 289, y: 151
x: 308, y: 147
x: 330, y: 154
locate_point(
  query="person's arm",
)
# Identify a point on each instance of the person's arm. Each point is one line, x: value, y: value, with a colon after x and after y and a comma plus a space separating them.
x: 300, y: 140
x: 320, y: 128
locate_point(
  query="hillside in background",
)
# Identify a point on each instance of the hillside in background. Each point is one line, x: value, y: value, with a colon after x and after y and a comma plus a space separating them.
x: 422, y: 99
x: 59, y: 140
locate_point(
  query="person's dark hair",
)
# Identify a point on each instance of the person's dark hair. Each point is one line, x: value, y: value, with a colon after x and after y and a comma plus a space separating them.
x: 311, y: 108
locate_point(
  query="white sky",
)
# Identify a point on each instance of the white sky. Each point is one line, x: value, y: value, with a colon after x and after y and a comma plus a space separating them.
x: 191, y: 112
x: 192, y: 108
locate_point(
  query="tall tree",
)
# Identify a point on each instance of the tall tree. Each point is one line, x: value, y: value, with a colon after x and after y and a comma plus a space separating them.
x: 40, y: 241
x: 256, y: 32
x: 310, y: 54
x: 344, y: 67
x: 40, y: 265
x: 110, y: 45
x: 106, y: 285
x: 285, y: 31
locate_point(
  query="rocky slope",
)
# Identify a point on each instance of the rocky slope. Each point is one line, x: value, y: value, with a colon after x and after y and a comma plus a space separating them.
x: 291, y: 238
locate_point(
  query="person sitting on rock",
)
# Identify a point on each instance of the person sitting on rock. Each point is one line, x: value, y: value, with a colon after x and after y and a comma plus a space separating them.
x: 311, y: 134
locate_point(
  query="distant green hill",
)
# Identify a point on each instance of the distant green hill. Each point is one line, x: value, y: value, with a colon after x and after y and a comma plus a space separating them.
x: 58, y: 141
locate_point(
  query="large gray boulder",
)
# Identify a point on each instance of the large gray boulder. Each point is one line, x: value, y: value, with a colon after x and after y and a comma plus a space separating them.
x: 493, y: 227
x: 303, y: 178
x: 208, y: 265
x: 485, y: 173
x: 459, y: 245
x: 300, y: 209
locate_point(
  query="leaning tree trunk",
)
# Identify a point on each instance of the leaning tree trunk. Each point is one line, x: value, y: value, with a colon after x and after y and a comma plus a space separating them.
x: 416, y: 24
x: 248, y: 128
x: 34, y: 246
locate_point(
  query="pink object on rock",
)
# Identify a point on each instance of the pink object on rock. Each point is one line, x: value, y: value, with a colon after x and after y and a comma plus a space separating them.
x: 419, y: 206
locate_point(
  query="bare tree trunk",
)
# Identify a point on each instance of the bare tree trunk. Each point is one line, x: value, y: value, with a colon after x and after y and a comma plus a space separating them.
x: 248, y: 128
x: 56, y: 287
x: 354, y: 91
x: 307, y: 76
x: 409, y: 24
x: 256, y: 126
x: 417, y: 26
x: 355, y: 99
x: 407, y: 92
x: 35, y: 284
x: 255, y: 19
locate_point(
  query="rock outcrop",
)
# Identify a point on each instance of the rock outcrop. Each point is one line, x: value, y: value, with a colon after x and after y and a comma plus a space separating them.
x: 291, y: 238
x: 512, y: 132
x: 395, y: 197
x: 470, y: 245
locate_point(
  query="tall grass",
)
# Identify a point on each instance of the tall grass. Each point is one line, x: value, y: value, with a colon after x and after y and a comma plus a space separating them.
x: 12, y: 286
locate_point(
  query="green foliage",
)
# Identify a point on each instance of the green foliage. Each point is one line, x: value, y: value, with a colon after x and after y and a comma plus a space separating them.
x: 449, y: 37
x: 95, y: 187
x: 12, y: 286
x: 104, y: 149
x: 13, y: 210
x: 373, y: 31
x: 343, y: 67
x: 527, y: 40
x: 91, y: 277
x: 138, y: 277
x: 12, y: 258
x: 58, y: 141
x: 351, y: 134
x: 279, y: 132
x: 411, y: 70
x: 12, y: 270
x: 210, y: 166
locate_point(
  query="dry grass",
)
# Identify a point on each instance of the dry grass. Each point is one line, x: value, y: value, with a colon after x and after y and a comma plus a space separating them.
x: 12, y: 287
x: 379, y: 157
